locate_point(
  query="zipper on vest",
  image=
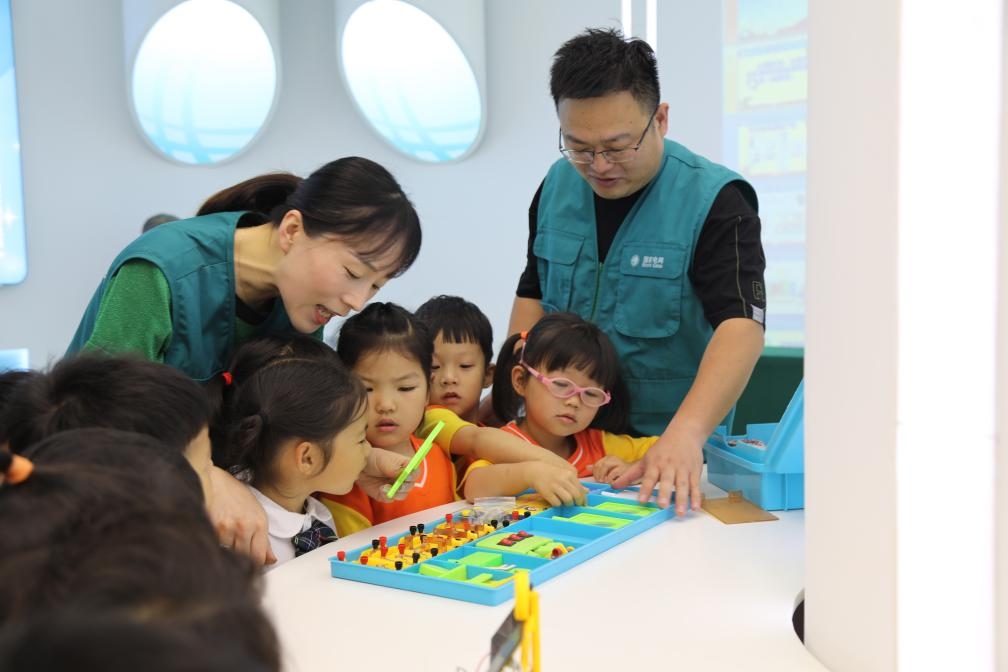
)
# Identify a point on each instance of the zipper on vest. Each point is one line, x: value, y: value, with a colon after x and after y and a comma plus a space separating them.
x: 598, y: 278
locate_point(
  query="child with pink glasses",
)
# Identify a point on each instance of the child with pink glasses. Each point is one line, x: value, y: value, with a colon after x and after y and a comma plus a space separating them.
x: 566, y: 374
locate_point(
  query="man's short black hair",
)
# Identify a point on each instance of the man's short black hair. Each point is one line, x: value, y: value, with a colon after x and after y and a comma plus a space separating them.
x: 601, y: 61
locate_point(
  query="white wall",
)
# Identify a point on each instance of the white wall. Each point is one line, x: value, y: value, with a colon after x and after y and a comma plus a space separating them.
x: 850, y: 355
x: 90, y: 180
x: 902, y: 300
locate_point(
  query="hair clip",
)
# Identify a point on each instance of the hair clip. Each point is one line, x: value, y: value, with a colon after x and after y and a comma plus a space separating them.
x: 18, y: 469
x: 228, y: 378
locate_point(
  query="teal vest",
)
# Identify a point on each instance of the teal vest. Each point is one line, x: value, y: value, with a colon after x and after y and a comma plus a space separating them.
x: 197, y: 258
x: 641, y: 296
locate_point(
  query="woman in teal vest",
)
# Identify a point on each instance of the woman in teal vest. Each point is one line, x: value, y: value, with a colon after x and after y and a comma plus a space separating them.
x: 274, y: 254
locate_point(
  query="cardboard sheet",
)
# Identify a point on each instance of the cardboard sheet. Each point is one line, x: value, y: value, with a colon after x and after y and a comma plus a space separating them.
x: 735, y: 509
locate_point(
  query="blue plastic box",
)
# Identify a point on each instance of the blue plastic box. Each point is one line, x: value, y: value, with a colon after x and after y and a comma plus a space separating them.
x: 587, y: 540
x: 772, y: 476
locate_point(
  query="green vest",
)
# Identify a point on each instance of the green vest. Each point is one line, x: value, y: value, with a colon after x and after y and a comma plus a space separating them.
x: 196, y: 257
x: 641, y: 296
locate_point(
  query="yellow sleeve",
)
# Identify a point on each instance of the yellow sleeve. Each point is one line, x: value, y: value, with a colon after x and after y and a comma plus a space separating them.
x: 453, y: 423
x: 627, y: 448
x: 348, y: 519
x: 477, y: 464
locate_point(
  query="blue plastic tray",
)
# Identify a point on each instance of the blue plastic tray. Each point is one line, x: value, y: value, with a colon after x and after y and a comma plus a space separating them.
x: 610, y: 527
x: 771, y: 476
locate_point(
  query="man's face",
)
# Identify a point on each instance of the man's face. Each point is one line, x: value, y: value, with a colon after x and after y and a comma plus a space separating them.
x: 614, y: 121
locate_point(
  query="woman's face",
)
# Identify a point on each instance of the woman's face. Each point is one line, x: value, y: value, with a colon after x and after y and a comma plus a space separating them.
x: 321, y: 276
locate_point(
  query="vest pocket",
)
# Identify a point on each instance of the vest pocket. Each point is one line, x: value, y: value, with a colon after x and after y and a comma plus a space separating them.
x: 649, y: 295
x: 556, y: 252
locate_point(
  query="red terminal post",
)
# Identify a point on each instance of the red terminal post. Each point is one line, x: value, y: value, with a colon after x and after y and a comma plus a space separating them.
x: 383, y: 540
x: 515, y: 515
x: 363, y: 559
x: 341, y: 555
x: 402, y: 548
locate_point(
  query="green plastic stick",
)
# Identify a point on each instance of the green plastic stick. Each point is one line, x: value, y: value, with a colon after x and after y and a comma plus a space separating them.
x: 415, y: 461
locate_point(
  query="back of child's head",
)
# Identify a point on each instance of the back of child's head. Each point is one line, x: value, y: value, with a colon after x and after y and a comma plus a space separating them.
x: 457, y: 321
x: 9, y: 382
x: 385, y: 327
x: 116, y: 391
x: 304, y: 399
x: 148, y: 565
x: 167, y: 568
x: 85, y: 641
x: 559, y: 341
x: 79, y: 474
x: 249, y: 358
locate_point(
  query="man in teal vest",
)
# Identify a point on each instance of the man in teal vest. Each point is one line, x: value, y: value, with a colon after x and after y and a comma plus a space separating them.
x: 657, y: 245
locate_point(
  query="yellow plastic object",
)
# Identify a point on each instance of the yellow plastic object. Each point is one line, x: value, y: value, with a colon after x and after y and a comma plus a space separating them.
x: 526, y: 612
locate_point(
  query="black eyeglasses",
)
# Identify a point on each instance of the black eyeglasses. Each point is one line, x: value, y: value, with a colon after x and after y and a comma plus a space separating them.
x: 623, y: 155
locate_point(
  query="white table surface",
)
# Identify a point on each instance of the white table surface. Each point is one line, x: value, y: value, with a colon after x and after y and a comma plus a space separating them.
x: 688, y: 594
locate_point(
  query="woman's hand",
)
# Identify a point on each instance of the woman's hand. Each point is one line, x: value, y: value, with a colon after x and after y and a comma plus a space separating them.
x: 238, y: 517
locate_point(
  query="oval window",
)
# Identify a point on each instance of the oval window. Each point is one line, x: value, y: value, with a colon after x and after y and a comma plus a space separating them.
x: 411, y: 81
x: 204, y: 81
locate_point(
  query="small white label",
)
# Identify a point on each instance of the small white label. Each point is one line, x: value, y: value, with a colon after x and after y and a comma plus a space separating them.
x: 757, y: 314
x: 653, y: 262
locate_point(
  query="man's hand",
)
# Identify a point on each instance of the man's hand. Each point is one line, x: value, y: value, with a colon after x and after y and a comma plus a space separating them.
x: 382, y: 469
x: 674, y: 461
x: 238, y: 517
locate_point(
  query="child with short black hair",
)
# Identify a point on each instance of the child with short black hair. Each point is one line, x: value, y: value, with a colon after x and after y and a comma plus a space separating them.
x: 297, y: 426
x: 463, y: 353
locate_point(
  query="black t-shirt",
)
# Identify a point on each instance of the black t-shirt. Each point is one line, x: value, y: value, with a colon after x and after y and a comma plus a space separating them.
x: 728, y: 262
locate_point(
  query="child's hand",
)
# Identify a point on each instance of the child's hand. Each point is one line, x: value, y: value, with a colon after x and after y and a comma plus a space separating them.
x: 382, y: 469
x: 608, y: 469
x: 558, y: 485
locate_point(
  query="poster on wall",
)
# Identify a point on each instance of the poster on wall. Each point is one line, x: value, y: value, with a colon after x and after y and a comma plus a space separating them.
x: 13, y: 261
x: 764, y: 135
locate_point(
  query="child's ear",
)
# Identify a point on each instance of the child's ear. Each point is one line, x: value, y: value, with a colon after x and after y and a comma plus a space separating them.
x: 518, y: 379
x: 308, y: 458
x: 488, y: 375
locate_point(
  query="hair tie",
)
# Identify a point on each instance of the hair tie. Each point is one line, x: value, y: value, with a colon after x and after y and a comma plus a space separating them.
x: 16, y: 468
x: 228, y: 378
x: 262, y: 417
x: 523, y: 335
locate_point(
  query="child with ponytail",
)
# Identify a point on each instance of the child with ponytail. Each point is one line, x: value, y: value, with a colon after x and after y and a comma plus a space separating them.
x: 566, y: 375
x: 297, y: 426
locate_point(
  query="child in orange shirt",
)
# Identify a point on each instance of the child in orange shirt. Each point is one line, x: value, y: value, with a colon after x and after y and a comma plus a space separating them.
x: 391, y: 352
x: 566, y: 373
